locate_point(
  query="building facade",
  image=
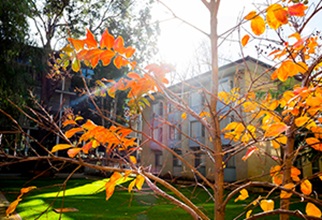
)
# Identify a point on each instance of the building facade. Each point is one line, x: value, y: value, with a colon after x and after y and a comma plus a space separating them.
x: 184, y: 134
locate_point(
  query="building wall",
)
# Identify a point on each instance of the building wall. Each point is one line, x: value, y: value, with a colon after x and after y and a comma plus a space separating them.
x: 235, y: 75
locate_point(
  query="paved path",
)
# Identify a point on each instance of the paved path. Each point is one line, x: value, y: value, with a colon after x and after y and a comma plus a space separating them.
x: 3, y: 206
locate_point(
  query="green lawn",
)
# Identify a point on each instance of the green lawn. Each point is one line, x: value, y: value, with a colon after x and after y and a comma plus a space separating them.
x: 88, y: 196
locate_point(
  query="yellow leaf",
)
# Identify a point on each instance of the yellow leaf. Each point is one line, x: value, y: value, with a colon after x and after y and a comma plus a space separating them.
x: 258, y: 25
x: 76, y: 66
x: 245, y: 40
x: 60, y: 147
x: 184, y: 116
x: 133, y: 159
x: 285, y: 194
x: 267, y: 205
x: 79, y: 118
x: 278, y: 141
x: 248, y: 213
x: 12, y: 207
x: 300, y: 121
x: 306, y: 187
x: 139, y: 182
x: 275, y: 129
x: 312, y: 210
x: 131, y: 185
x: 243, y: 195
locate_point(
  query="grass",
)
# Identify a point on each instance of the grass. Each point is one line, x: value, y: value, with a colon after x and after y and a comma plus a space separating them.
x: 88, y: 196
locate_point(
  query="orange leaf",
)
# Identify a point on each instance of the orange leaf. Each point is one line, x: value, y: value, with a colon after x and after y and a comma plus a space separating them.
x: 119, y: 61
x: 106, y: 57
x: 60, y: 147
x: 274, y: 170
x: 72, y: 132
x: 133, y: 75
x: 12, y: 207
x: 249, y: 152
x: 93, y: 56
x: 109, y: 188
x: 115, y: 176
x: 295, y: 174
x: 285, y: 194
x: 90, y: 40
x: 87, y: 147
x: 297, y: 10
x: 129, y: 51
x: 27, y: 189
x: 312, y: 210
x: 314, y: 143
x: 89, y: 125
x: 258, y: 25
x: 276, y: 16
x: 267, y: 205
x: 300, y: 121
x: 77, y: 44
x: 306, y: 187
x: 107, y: 40
x: 250, y: 15
x: 69, y: 122
x: 275, y: 129
x: 245, y: 40
x: 277, y: 179
x: 73, y: 152
x: 119, y: 45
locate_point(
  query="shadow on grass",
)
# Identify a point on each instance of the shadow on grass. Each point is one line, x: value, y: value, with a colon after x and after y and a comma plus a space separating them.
x: 88, y: 196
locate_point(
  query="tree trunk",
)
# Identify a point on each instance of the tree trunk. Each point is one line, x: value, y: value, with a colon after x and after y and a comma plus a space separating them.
x: 288, y: 163
x: 219, y: 213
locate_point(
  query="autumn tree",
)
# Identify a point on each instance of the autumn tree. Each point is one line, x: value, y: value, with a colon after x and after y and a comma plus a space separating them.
x: 266, y: 122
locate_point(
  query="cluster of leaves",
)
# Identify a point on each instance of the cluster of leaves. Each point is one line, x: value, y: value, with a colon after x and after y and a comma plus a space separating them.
x: 296, y: 111
x: 90, y: 52
x: 88, y: 135
x: 12, y: 207
x: 94, y: 136
x: 137, y: 182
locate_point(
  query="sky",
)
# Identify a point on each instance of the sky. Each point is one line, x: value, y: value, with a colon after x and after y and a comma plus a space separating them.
x: 179, y: 43
x: 184, y: 46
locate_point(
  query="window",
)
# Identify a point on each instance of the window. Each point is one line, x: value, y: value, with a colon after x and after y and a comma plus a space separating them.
x: 158, y: 159
x: 226, y: 85
x: 229, y: 161
x: 174, y: 132
x: 157, y: 109
x: 197, y: 129
x: 196, y: 100
x: 176, y: 161
x: 158, y: 134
